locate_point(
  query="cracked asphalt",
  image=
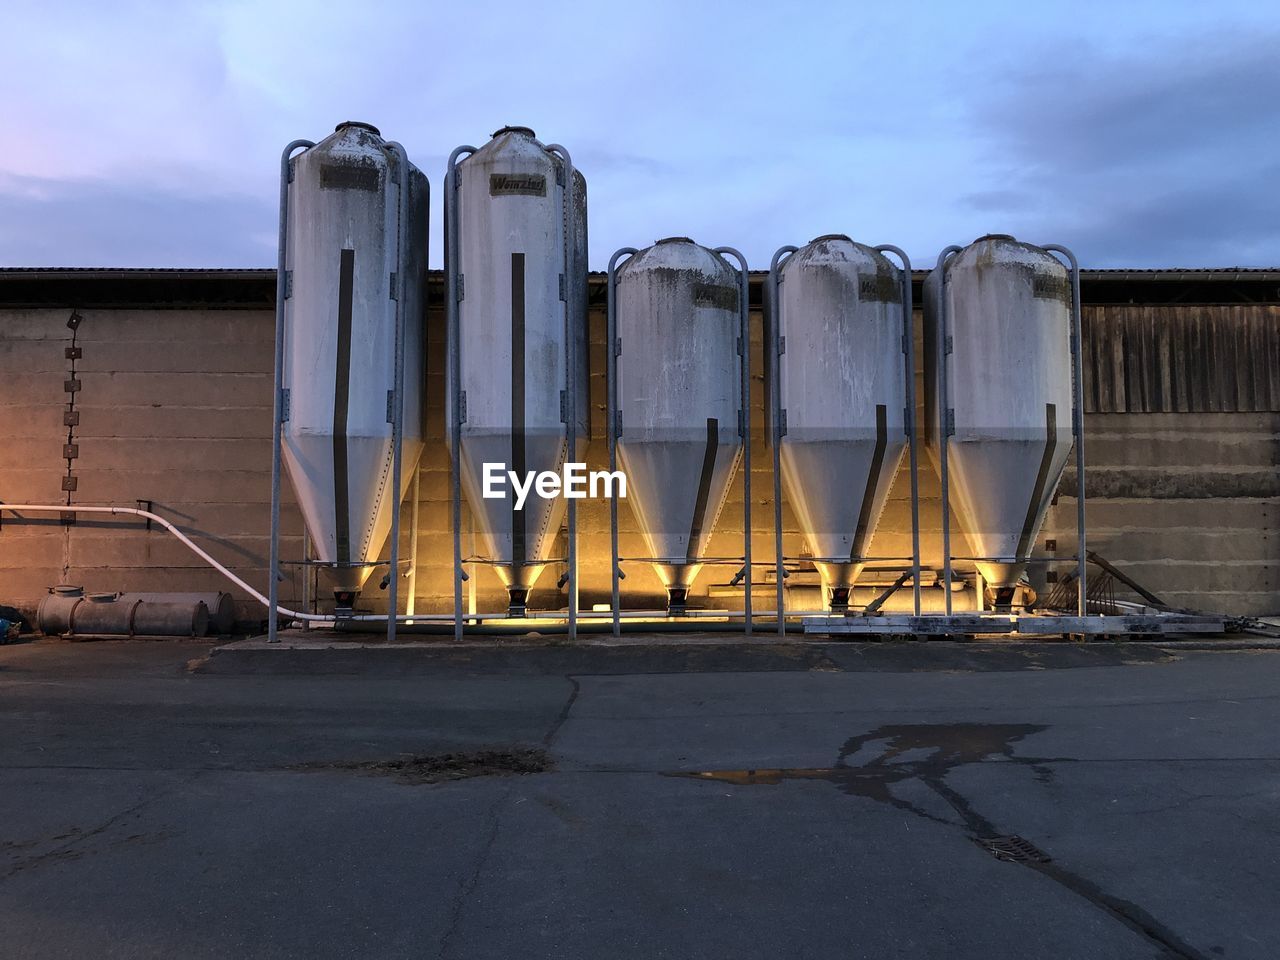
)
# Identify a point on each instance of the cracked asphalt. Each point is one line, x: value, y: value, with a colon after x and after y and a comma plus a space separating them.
x: 815, y: 800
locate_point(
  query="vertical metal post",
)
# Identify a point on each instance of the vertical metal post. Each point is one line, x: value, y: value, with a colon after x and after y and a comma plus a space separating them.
x: 744, y: 426
x: 1077, y: 427
x: 774, y: 346
x: 410, y: 601
x: 611, y: 352
x: 943, y: 347
x: 397, y: 410
x: 273, y: 563
x: 306, y: 574
x: 571, y: 319
x: 452, y: 311
x: 909, y: 362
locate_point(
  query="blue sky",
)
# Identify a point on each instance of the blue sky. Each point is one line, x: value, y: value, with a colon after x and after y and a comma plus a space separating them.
x: 1141, y: 134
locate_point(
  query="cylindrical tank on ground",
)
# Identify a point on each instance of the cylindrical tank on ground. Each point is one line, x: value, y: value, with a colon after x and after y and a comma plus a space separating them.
x: 342, y: 272
x: 1009, y: 385
x: 66, y: 612
x: 842, y: 388
x: 679, y: 397
x: 522, y: 294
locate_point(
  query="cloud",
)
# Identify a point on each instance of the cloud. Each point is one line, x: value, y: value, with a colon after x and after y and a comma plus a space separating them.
x: 98, y: 223
x: 1159, y: 159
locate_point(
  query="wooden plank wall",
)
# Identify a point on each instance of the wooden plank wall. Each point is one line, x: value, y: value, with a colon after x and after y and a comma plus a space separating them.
x: 1174, y: 358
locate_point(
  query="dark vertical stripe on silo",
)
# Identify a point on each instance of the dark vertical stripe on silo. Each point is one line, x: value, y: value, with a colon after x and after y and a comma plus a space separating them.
x: 517, y: 406
x: 341, y: 399
x: 704, y: 487
x: 1042, y: 479
x: 862, y: 534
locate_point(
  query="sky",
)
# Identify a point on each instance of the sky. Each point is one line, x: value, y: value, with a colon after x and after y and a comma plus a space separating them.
x: 148, y: 134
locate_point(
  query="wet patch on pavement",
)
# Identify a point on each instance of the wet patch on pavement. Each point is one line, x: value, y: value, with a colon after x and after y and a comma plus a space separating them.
x: 443, y: 767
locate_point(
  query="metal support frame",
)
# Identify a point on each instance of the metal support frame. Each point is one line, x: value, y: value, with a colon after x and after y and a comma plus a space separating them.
x: 397, y: 410
x: 1077, y: 424
x: 945, y: 424
x: 910, y: 426
x: 744, y: 424
x: 944, y: 421
x: 454, y: 347
x: 611, y: 403
x: 574, y: 307
x: 572, y: 316
x: 744, y: 429
x: 273, y: 564
x: 404, y: 214
x: 776, y: 345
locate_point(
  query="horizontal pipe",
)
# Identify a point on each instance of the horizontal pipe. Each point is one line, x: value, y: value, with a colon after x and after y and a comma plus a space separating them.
x: 186, y: 541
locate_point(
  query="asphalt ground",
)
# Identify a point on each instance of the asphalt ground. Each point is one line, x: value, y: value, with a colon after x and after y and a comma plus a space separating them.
x: 667, y: 800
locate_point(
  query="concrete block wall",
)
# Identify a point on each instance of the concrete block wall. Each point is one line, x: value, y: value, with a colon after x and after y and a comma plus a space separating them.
x: 176, y: 408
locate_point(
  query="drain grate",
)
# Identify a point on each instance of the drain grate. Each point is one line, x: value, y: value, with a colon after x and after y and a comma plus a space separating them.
x: 1013, y: 849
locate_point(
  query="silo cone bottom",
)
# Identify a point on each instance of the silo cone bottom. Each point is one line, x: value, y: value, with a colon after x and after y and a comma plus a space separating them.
x: 839, y: 579
x: 346, y: 583
x: 677, y: 578
x: 519, y: 581
x: 517, y: 600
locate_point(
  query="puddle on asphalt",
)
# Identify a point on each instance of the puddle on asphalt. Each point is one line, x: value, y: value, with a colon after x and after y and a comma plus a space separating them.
x: 871, y: 764
x: 439, y: 768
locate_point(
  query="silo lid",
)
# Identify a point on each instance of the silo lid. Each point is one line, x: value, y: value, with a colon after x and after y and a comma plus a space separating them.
x: 527, y: 131
x: 831, y: 236
x: 67, y: 590
x: 996, y: 236
x: 358, y: 123
x: 672, y: 240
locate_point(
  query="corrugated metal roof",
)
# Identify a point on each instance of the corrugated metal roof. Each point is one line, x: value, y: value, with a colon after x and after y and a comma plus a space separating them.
x: 259, y: 273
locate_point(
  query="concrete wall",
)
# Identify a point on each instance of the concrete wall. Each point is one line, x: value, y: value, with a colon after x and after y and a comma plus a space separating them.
x: 175, y: 408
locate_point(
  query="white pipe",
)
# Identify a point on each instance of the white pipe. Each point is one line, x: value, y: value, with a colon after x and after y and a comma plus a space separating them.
x: 198, y: 551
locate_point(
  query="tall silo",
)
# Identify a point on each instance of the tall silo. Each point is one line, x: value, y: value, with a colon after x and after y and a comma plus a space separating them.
x: 342, y: 283
x: 842, y: 394
x: 521, y: 297
x: 679, y: 399
x: 1007, y: 413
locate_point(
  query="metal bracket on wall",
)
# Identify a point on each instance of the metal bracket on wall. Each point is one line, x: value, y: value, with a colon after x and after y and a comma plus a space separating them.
x: 148, y: 506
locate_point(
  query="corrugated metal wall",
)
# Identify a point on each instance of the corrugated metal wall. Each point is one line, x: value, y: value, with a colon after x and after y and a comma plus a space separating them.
x: 1171, y: 358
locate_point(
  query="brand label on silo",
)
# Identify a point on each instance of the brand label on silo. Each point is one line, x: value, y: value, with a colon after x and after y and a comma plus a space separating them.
x: 879, y: 288
x: 349, y: 176
x: 714, y: 295
x: 1045, y: 286
x: 517, y: 184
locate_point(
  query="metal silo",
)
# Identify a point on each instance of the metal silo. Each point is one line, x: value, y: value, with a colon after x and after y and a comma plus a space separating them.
x: 1000, y: 407
x: 350, y: 344
x: 678, y: 319
x: 516, y: 252
x: 840, y: 334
